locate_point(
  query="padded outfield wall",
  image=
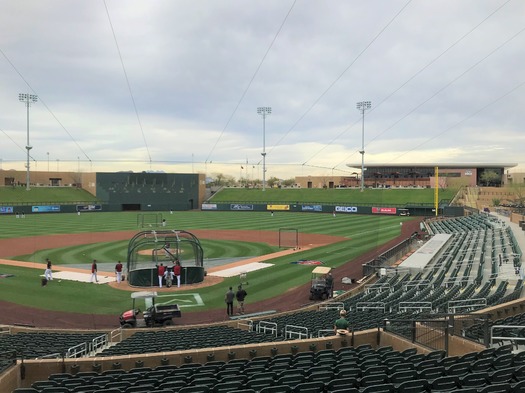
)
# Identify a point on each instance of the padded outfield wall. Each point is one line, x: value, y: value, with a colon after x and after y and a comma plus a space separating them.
x: 391, y: 210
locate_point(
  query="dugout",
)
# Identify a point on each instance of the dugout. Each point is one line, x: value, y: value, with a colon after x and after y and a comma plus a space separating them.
x: 148, y: 249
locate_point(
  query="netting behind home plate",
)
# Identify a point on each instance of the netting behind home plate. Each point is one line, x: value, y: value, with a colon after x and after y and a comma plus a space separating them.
x: 149, y: 249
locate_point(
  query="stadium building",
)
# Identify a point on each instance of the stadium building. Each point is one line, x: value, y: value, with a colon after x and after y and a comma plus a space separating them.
x: 414, y: 175
x: 123, y: 190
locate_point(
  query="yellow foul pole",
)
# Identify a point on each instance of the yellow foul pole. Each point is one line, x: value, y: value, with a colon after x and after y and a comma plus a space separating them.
x: 436, y: 190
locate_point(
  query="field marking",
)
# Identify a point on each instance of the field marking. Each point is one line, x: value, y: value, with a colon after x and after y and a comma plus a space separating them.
x: 194, y: 299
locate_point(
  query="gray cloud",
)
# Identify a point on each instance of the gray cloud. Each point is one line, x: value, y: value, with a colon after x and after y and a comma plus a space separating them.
x: 444, y: 78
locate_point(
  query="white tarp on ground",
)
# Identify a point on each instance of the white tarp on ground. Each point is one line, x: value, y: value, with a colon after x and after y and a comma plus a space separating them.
x: 82, y: 277
x: 420, y: 258
x: 235, y: 271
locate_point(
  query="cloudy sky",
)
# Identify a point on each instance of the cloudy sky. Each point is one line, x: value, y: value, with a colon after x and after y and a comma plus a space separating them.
x: 174, y: 85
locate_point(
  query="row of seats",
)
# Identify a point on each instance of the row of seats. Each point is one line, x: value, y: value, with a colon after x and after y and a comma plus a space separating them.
x: 39, y: 344
x: 184, y: 339
x: 325, y: 371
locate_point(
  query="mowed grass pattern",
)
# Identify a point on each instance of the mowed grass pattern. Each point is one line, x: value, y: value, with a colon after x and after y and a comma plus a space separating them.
x: 363, y: 233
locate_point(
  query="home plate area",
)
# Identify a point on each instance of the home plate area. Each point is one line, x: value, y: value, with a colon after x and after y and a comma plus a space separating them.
x: 82, y: 277
x: 235, y: 271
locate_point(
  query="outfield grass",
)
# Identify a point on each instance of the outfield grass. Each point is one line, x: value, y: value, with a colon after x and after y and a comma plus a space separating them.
x: 117, y: 251
x: 60, y: 195
x: 364, y: 233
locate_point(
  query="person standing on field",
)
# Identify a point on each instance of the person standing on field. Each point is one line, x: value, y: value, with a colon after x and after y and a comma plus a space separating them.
x: 48, y: 274
x: 94, y: 271
x: 176, y: 271
x: 240, y: 295
x: 228, y: 299
x: 161, y: 269
x: 118, y: 271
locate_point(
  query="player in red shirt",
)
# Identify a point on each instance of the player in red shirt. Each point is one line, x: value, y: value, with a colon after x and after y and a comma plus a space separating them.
x: 160, y: 271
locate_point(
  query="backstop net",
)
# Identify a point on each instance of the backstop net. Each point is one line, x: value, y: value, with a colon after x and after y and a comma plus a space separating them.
x: 149, y: 249
x: 289, y: 238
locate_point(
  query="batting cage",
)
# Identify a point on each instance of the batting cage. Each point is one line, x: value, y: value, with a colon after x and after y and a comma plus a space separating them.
x: 149, y: 249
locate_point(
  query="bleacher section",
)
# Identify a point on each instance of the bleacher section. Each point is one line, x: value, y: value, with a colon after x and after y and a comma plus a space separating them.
x: 352, y: 370
x: 184, y: 339
x: 39, y: 345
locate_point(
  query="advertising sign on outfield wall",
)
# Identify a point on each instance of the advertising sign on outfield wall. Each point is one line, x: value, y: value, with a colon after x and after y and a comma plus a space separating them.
x: 45, y: 209
x: 209, y: 206
x: 384, y: 210
x: 6, y: 209
x: 240, y: 206
x: 312, y: 208
x: 89, y: 208
x: 346, y: 209
x: 277, y: 207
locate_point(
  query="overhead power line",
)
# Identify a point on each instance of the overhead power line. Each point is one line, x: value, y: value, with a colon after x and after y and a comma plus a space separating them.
x: 251, y: 80
x: 128, y: 83
x: 455, y: 43
x: 42, y: 101
x: 341, y: 74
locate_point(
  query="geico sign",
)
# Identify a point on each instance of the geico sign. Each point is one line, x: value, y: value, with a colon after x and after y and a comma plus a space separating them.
x: 346, y: 209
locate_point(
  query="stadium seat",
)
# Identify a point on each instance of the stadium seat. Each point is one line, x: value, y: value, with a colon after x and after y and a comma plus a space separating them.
x: 223, y: 387
x: 381, y: 388
x: 309, y: 387
x: 502, y: 375
x: 415, y: 386
x: 458, y: 369
x: 519, y: 387
x: 55, y: 389
x: 291, y: 379
x: 341, y: 383
x: 273, y: 389
x: 243, y: 391
x: 519, y: 373
x: 195, y: 389
x: 260, y: 383
x: 497, y: 388
x: 482, y: 365
x: 432, y: 373
x: 403, y: 376
x: 474, y: 380
x: 445, y: 384
x: 373, y: 379
x: 503, y: 361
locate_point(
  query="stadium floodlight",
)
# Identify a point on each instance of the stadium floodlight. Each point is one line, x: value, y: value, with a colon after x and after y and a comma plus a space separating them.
x: 363, y: 106
x: 264, y: 111
x: 28, y: 99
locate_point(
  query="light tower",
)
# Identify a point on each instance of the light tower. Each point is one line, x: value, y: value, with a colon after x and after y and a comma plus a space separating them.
x: 363, y: 106
x: 28, y: 99
x: 264, y: 111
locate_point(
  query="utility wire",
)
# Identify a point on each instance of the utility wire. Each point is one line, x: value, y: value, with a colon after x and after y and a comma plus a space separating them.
x: 340, y: 75
x: 456, y: 79
x: 41, y: 100
x: 490, y: 104
x: 406, y: 82
x: 251, y: 80
x: 17, y: 145
x: 128, y: 83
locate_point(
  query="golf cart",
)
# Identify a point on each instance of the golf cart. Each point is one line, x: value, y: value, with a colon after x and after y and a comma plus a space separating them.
x: 321, y: 288
x: 153, y: 315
